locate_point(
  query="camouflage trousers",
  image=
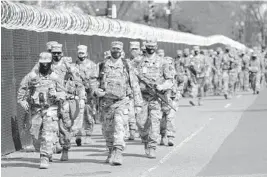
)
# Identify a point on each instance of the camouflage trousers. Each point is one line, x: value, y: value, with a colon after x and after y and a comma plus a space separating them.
x: 86, y: 118
x: 217, y: 83
x: 198, y: 87
x: 44, y: 127
x: 132, y: 119
x: 244, y: 79
x: 255, y: 81
x: 148, y: 122
x: 225, y: 81
x: 115, y: 117
x: 232, y: 81
x: 167, y: 123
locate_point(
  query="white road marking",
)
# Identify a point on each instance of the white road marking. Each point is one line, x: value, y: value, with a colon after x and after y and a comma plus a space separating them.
x: 226, y: 106
x: 174, y: 150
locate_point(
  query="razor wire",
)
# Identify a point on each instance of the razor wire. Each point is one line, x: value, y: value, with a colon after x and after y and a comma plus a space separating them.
x: 33, y: 18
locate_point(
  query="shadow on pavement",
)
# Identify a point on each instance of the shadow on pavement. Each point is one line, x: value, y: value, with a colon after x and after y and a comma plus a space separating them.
x: 82, y: 150
x: 24, y: 165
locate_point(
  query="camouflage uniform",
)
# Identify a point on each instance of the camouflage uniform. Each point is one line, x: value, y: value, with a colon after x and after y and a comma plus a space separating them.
x: 134, y: 61
x: 43, y: 98
x: 217, y: 72
x: 198, y: 64
x: 167, y: 124
x: 244, y: 75
x: 255, y: 67
x: 61, y: 66
x: 156, y: 70
x: 117, y: 84
x: 185, y: 62
x: 88, y: 73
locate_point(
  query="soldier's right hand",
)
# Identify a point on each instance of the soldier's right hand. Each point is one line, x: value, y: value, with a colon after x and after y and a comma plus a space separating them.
x: 25, y: 105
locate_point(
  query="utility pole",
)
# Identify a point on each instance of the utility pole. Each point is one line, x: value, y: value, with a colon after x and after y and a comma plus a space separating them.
x: 109, y: 9
x: 169, y: 12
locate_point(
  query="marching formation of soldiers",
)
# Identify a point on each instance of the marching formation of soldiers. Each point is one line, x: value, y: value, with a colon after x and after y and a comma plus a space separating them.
x: 135, y: 94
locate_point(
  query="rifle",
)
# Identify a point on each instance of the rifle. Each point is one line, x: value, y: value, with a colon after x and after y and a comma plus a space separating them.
x: 153, y: 91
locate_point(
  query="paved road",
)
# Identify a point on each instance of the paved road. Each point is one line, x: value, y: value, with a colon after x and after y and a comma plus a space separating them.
x: 222, y: 138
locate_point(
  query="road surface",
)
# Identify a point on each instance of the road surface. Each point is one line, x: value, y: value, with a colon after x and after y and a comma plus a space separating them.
x: 222, y: 138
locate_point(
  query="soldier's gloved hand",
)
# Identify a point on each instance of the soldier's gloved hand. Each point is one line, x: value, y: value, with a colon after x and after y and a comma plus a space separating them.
x: 100, y: 93
x: 25, y: 105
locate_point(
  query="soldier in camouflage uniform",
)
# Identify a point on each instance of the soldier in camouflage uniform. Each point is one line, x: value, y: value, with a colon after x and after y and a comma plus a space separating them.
x: 42, y: 102
x: 88, y: 74
x: 156, y: 71
x: 134, y: 61
x: 244, y: 75
x: 217, y: 71
x: 255, y: 68
x: 167, y: 123
x: 198, y: 71
x: 117, y: 84
x: 185, y: 62
x: 61, y: 66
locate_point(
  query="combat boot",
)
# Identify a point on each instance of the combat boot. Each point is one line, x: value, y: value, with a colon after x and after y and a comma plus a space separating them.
x: 50, y: 158
x: 78, y: 141
x: 132, y: 135
x: 200, y: 102
x: 170, y: 141
x: 151, y: 153
x: 117, y: 159
x: 58, y: 148
x: 110, y: 156
x: 225, y: 96
x: 162, y: 140
x: 65, y: 155
x: 192, y: 103
x: 44, y: 162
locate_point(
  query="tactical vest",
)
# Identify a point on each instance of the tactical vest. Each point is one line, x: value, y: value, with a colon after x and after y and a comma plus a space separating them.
x: 152, y: 70
x: 40, y: 87
x: 226, y: 63
x: 255, y: 65
x: 114, y: 81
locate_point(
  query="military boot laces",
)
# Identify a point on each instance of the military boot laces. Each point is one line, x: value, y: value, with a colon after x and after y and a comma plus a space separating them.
x: 117, y: 159
x: 44, y: 162
x: 110, y: 155
x: 170, y: 141
x: 65, y: 155
x: 151, y: 153
x: 132, y: 135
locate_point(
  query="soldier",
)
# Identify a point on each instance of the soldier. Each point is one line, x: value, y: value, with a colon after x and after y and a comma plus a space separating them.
x: 167, y: 123
x: 185, y: 61
x: 244, y: 75
x: 153, y: 70
x: 217, y: 71
x: 208, y: 77
x: 134, y: 61
x: 61, y: 67
x: 198, y: 70
x: 88, y: 74
x: 233, y: 73
x: 255, y: 68
x: 36, y: 143
x: 226, y: 62
x: 117, y: 83
x: 42, y: 103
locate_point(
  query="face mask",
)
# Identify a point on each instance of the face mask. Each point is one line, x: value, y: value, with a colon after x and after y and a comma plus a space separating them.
x: 45, y: 68
x: 116, y: 54
x: 150, y: 51
x: 82, y: 56
x: 56, y: 56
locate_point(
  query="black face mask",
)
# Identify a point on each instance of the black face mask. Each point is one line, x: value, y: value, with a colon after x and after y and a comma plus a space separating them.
x: 56, y: 56
x: 45, y: 68
x: 254, y: 58
x: 150, y: 51
x: 116, y: 54
x: 81, y: 58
